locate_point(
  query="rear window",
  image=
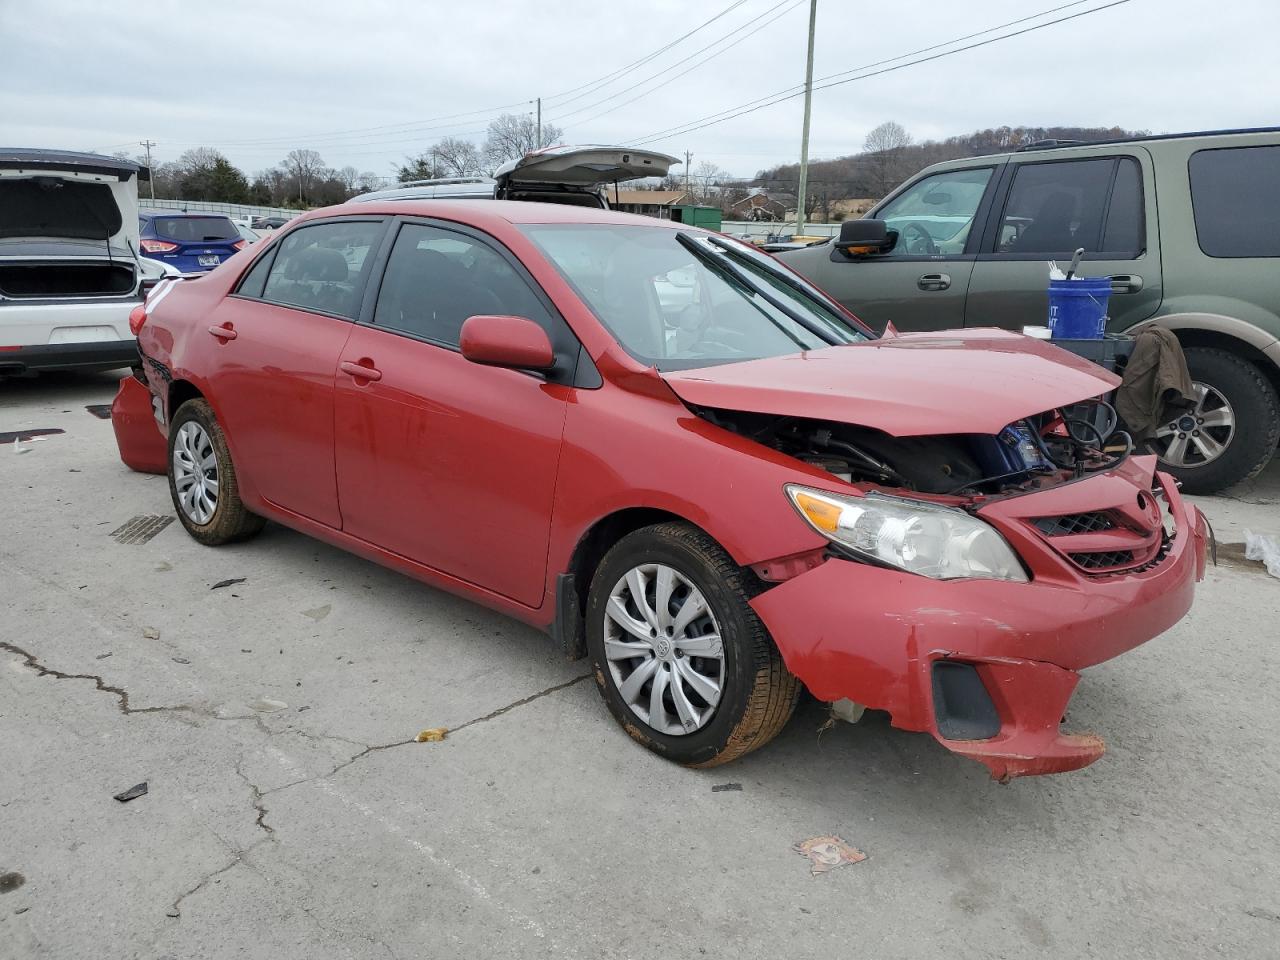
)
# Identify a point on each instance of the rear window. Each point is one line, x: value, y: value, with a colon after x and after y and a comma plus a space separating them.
x: 195, y: 229
x: 1235, y: 195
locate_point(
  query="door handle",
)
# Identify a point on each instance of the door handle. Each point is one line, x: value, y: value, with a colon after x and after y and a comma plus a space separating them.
x: 934, y: 281
x: 364, y: 370
x: 1125, y: 283
x: 224, y: 332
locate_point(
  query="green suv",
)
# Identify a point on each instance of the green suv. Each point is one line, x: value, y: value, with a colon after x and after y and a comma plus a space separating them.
x: 1187, y: 227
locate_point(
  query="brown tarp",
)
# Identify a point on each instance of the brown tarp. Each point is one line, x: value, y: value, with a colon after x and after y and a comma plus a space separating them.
x: 1156, y: 386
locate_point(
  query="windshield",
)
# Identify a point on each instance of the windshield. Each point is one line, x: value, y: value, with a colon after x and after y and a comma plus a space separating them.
x: 680, y: 300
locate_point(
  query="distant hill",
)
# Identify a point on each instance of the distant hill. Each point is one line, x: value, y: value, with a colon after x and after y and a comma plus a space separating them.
x: 874, y: 173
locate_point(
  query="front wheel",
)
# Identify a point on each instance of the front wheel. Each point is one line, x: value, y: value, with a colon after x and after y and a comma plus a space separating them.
x: 1231, y: 432
x: 681, y: 659
x: 202, y: 479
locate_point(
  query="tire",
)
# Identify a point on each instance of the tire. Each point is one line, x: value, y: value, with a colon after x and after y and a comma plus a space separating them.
x: 757, y: 693
x: 1254, y: 410
x: 220, y: 516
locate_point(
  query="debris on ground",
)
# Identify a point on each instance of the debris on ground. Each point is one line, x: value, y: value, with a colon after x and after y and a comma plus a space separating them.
x: 141, y: 529
x: 17, y: 436
x: 180, y: 660
x: 103, y: 656
x: 150, y: 633
x: 726, y: 788
x: 11, y: 881
x: 133, y: 793
x: 318, y: 613
x: 267, y: 705
x: 227, y: 583
x: 100, y: 410
x: 432, y: 735
x: 827, y: 853
x: 1258, y: 546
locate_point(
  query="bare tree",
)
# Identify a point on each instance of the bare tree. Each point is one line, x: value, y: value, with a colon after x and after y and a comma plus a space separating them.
x: 512, y: 135
x: 706, y: 182
x: 457, y: 158
x: 349, y: 177
x: 883, y: 149
x: 305, y: 166
x: 369, y: 181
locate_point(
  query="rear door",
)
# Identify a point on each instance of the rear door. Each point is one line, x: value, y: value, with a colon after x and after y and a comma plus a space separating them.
x: 921, y: 283
x: 273, y: 347
x: 1045, y: 210
x: 440, y: 460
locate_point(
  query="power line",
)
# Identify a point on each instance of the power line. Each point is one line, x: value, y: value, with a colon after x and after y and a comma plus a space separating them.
x: 695, y: 66
x: 792, y: 92
x: 613, y: 96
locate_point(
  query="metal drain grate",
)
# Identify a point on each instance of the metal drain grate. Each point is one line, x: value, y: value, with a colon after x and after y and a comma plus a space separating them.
x: 100, y: 410
x: 140, y: 529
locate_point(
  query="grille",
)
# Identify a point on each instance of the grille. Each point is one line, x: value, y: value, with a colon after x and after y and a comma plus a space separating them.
x: 1073, y: 523
x: 1102, y: 561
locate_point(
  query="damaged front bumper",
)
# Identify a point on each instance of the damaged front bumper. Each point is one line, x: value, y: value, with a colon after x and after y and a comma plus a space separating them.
x: 987, y: 666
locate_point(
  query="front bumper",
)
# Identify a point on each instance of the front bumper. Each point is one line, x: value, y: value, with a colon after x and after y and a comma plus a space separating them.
x: 874, y: 636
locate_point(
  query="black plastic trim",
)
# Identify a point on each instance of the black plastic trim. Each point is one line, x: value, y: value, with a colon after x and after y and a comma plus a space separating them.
x: 962, y: 708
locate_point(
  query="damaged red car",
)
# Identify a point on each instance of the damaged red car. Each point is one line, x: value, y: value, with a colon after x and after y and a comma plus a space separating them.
x: 679, y: 458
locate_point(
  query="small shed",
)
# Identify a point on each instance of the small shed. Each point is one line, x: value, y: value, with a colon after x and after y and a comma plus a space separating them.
x: 696, y: 215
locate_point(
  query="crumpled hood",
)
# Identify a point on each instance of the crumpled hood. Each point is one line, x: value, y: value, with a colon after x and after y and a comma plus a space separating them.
x: 957, y: 381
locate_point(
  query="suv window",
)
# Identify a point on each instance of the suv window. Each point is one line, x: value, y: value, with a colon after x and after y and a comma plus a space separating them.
x: 1057, y: 206
x: 936, y: 212
x: 321, y: 267
x: 1235, y: 197
x: 436, y: 279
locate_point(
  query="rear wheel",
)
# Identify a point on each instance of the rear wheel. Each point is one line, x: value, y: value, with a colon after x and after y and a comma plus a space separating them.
x: 202, y: 479
x: 680, y: 658
x: 1232, y: 431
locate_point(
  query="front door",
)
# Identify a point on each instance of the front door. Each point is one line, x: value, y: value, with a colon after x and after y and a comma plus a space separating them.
x: 274, y: 345
x: 440, y: 460
x: 1104, y: 204
x: 920, y: 284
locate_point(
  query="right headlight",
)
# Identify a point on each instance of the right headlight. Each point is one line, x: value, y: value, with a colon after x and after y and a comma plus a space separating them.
x: 918, y: 537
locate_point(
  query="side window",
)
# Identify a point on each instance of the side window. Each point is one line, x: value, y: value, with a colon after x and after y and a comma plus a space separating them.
x: 436, y: 279
x: 321, y: 267
x: 1235, y: 197
x: 935, y: 215
x: 1055, y: 207
x: 256, y: 278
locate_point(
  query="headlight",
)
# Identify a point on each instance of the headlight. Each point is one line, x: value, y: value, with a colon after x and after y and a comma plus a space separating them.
x: 914, y: 536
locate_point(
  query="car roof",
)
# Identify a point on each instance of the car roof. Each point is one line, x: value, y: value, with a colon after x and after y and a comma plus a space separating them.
x: 480, y: 212
x: 182, y: 213
x: 1055, y: 147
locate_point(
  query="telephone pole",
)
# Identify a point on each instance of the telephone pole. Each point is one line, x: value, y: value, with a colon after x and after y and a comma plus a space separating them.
x: 539, y: 123
x: 688, y: 171
x: 151, y: 181
x: 804, y: 136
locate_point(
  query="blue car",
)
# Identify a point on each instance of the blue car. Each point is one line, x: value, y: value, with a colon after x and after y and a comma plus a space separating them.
x: 190, y: 242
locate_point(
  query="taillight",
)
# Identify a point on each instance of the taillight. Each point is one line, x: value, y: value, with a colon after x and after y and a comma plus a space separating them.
x: 239, y: 245
x: 137, y: 317
x: 157, y: 246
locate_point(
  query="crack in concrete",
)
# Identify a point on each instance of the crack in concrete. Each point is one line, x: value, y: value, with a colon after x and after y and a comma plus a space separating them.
x: 238, y: 857
x: 348, y: 934
x: 120, y: 693
x: 556, y: 688
x: 258, y: 805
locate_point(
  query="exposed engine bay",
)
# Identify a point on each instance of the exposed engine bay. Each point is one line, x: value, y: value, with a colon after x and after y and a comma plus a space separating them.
x: 1034, y: 452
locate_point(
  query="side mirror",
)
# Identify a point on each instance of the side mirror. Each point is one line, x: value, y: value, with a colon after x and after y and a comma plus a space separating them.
x: 864, y: 238
x: 506, y: 342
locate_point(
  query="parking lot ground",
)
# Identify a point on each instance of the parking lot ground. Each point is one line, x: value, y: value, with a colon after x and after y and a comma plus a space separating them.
x: 288, y: 817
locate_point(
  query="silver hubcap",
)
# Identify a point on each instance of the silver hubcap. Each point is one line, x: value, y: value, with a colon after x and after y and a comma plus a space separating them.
x: 195, y: 473
x: 1199, y: 436
x: 664, y: 649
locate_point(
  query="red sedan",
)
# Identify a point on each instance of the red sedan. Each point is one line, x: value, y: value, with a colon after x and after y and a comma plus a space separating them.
x: 679, y: 458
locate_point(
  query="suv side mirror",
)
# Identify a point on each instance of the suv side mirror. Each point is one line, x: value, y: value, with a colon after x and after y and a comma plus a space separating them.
x: 864, y: 238
x: 506, y: 342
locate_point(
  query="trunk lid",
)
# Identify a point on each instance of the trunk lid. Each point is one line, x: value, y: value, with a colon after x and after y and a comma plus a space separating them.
x: 585, y: 167
x: 970, y: 381
x: 58, y: 195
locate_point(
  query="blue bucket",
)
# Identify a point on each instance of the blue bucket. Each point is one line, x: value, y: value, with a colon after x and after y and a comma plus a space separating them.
x: 1078, y: 308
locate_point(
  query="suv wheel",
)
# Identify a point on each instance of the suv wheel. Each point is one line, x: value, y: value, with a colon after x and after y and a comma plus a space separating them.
x: 681, y: 659
x: 202, y: 479
x: 1231, y: 433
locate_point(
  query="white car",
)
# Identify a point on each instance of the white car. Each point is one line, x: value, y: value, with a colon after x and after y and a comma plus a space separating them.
x: 70, y: 270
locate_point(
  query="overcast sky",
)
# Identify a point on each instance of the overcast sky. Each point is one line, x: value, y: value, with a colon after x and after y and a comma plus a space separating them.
x: 255, y: 79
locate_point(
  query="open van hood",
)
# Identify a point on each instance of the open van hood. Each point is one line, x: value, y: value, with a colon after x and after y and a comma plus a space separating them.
x: 60, y: 195
x: 587, y: 166
x: 962, y: 381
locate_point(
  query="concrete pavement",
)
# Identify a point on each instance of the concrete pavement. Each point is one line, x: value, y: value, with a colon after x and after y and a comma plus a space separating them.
x: 290, y: 815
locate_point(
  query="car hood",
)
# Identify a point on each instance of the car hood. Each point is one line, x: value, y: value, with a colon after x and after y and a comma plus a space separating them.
x: 585, y: 166
x: 969, y: 381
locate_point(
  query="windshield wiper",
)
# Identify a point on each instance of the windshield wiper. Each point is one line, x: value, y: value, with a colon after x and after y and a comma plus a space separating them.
x: 724, y: 266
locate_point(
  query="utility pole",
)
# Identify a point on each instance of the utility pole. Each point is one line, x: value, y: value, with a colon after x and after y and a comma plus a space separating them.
x: 804, y: 136
x: 688, y: 171
x: 151, y: 181
x: 539, y: 123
